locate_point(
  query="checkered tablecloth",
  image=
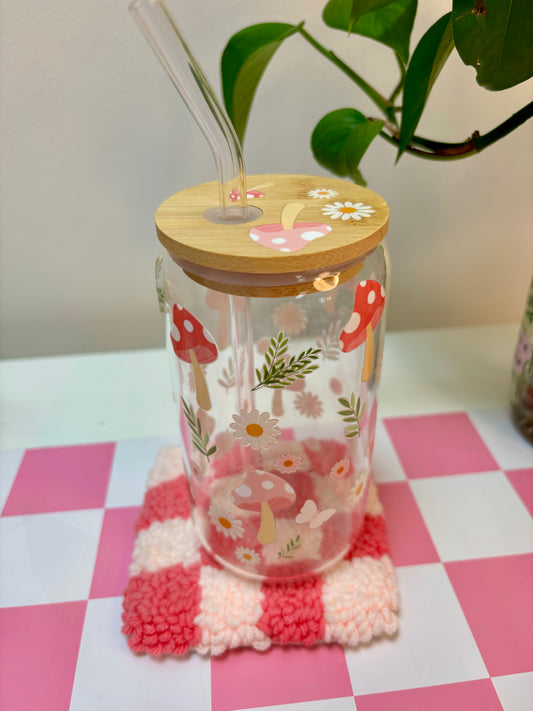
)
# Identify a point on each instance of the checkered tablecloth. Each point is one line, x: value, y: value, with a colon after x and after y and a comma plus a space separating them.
x: 458, y: 495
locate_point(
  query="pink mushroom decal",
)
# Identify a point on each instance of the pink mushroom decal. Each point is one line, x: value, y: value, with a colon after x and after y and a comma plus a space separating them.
x: 367, y: 311
x: 264, y: 493
x: 193, y: 344
x: 253, y: 193
x: 289, y: 235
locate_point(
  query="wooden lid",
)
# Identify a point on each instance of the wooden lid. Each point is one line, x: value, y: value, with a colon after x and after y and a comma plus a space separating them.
x: 307, y: 224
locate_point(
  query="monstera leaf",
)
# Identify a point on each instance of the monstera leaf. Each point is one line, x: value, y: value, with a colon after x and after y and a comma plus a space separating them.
x: 496, y: 38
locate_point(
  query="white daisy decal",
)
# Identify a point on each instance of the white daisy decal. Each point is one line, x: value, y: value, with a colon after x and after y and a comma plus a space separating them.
x: 255, y: 429
x: 357, y: 490
x: 288, y: 463
x: 322, y: 193
x: 247, y: 556
x: 340, y: 470
x: 225, y: 522
x: 347, y: 210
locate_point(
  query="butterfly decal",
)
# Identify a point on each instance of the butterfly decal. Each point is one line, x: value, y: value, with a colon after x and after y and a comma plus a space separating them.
x: 310, y: 514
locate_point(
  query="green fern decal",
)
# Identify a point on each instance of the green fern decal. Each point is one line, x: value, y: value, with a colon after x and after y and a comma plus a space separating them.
x: 160, y: 293
x: 352, y: 415
x: 288, y: 550
x: 280, y: 371
x: 199, y: 439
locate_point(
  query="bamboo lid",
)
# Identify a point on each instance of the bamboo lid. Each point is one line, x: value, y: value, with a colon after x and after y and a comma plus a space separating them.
x: 309, y: 225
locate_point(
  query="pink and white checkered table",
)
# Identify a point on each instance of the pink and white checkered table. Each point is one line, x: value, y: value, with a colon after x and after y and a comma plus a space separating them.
x: 457, y: 488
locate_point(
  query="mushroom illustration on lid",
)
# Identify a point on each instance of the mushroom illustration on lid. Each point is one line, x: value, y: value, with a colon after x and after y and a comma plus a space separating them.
x: 367, y: 311
x: 193, y: 344
x: 289, y: 235
x: 255, y: 192
x: 265, y: 493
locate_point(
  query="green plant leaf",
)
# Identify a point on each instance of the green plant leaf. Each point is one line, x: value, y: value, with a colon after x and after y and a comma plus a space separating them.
x: 349, y: 11
x: 496, y: 38
x: 390, y: 23
x: 428, y: 59
x: 244, y: 60
x: 340, y: 140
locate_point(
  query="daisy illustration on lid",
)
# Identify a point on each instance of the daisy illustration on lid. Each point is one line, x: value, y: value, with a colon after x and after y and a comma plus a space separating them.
x: 347, y: 210
x: 322, y: 193
x: 225, y: 522
x: 255, y: 429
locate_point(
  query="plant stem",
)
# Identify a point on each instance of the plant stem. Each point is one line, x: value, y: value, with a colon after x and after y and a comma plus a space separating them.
x: 401, y: 81
x: 438, y: 150
x: 380, y: 101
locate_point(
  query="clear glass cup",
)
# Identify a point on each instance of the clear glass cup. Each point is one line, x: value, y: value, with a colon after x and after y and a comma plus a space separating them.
x: 277, y: 404
x: 522, y: 373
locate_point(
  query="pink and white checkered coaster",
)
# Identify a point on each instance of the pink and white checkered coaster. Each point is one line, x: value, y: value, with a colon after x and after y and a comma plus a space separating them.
x: 179, y: 599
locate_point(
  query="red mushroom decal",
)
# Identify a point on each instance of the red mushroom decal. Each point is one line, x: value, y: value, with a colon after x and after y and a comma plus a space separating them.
x: 288, y: 235
x: 367, y: 311
x: 265, y: 493
x: 193, y: 344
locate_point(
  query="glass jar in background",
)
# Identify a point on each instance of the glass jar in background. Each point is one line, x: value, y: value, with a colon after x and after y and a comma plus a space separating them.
x: 275, y: 376
x: 522, y: 374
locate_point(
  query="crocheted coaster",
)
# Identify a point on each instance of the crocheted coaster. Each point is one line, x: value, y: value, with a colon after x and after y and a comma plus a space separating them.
x: 179, y: 599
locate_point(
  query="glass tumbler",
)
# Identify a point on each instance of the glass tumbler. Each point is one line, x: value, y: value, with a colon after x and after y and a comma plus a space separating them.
x: 275, y: 333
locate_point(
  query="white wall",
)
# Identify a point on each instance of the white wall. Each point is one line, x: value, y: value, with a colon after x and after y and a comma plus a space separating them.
x: 93, y: 136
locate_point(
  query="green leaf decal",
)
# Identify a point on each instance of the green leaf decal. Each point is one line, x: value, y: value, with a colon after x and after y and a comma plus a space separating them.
x: 288, y: 550
x: 244, y: 60
x: 158, y: 285
x: 496, y: 38
x: 390, y: 23
x: 340, y: 140
x: 199, y: 438
x: 278, y: 371
x: 352, y: 415
x: 426, y: 63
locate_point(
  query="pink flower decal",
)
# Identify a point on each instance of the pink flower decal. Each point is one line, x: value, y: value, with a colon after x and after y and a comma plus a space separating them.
x: 335, y: 386
x: 522, y: 353
x: 288, y: 463
x: 291, y: 318
x: 340, y: 470
x: 308, y: 405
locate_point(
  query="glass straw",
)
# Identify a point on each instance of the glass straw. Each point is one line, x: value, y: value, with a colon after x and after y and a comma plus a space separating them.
x: 165, y: 39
